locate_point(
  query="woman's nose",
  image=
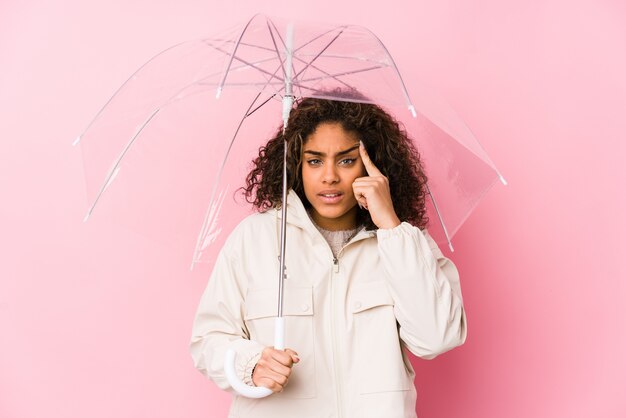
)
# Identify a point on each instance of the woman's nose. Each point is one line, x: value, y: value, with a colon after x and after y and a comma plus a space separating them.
x: 330, y: 175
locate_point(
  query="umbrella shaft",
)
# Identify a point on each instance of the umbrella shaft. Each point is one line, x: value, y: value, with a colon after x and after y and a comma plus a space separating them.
x: 283, y: 234
x: 287, y: 104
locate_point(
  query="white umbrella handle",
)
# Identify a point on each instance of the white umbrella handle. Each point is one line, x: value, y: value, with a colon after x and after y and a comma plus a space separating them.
x: 231, y: 375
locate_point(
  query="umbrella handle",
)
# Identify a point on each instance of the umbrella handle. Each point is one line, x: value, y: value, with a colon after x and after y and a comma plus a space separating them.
x: 229, y: 365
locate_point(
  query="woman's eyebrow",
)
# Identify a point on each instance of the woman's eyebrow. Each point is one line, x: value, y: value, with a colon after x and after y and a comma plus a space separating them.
x: 340, y: 153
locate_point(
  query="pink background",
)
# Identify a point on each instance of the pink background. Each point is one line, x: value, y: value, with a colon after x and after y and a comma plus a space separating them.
x: 95, y: 321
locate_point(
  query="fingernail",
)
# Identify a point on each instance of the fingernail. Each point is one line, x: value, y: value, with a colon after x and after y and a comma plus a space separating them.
x: 361, y: 142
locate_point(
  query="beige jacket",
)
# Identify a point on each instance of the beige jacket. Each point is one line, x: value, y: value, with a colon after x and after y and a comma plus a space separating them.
x: 349, y: 318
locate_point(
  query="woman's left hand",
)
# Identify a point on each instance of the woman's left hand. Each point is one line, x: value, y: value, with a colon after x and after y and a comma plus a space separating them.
x: 372, y: 193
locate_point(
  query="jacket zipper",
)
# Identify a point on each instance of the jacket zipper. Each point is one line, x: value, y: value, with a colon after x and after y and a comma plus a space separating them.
x: 334, y: 339
x: 336, y: 259
x: 333, y: 326
x: 336, y: 363
x: 333, y: 331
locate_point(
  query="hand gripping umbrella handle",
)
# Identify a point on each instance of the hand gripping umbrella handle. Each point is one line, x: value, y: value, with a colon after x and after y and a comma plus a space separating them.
x: 231, y: 375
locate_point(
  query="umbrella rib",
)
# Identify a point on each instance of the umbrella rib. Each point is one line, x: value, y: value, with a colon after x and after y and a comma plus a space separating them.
x: 381, y: 65
x: 269, y: 82
x: 443, y: 225
x: 247, y: 64
x: 253, y: 64
x: 344, y: 57
x: 324, y: 72
x: 233, y: 68
x: 261, y: 105
x: 277, y: 91
x: 177, y: 94
x: 320, y: 53
x: 200, y: 239
x: 309, y: 42
x: 232, y: 55
x: 280, y: 60
x: 282, y: 41
x: 299, y: 84
x: 395, y: 67
x: 309, y: 64
x: 362, y: 70
x: 295, y: 50
x: 264, y: 48
x: 114, y: 169
x: 125, y: 83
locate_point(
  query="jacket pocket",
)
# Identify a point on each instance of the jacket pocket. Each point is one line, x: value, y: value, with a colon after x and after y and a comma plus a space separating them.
x: 261, y: 310
x: 378, y: 351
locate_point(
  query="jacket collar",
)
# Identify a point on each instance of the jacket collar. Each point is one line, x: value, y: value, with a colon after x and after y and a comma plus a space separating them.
x: 297, y: 215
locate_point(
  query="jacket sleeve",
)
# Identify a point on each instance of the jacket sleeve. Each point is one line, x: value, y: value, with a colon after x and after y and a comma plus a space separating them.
x: 219, y: 326
x: 426, y: 291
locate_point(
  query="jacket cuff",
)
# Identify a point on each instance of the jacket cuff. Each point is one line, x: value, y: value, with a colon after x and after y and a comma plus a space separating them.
x: 403, y: 229
x: 248, y: 369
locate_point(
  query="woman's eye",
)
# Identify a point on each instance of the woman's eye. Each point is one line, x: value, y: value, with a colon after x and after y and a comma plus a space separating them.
x: 314, y: 161
x: 347, y: 161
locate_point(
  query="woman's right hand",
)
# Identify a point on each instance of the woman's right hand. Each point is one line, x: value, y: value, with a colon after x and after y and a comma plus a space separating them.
x: 274, y: 368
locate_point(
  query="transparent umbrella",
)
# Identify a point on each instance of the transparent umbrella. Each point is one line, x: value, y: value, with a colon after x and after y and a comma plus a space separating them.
x: 167, y: 153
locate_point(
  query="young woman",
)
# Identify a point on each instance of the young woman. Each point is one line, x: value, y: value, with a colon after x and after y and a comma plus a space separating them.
x: 365, y: 280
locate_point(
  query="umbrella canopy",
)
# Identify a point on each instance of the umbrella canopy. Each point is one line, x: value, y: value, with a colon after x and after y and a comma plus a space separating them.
x: 167, y: 153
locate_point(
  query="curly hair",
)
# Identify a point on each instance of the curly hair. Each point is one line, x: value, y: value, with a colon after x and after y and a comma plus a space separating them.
x: 387, y: 143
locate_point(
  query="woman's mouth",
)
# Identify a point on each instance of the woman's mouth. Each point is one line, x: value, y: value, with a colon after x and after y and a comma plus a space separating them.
x: 330, y: 197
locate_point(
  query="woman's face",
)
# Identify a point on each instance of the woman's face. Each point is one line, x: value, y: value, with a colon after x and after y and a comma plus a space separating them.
x: 330, y: 163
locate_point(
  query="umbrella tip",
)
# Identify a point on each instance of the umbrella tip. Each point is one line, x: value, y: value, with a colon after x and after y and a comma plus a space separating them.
x: 218, y: 93
x: 412, y: 110
x: 86, y: 216
x: 77, y: 140
x: 503, y: 180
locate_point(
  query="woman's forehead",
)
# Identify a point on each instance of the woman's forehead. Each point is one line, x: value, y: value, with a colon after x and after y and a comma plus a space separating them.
x: 330, y: 138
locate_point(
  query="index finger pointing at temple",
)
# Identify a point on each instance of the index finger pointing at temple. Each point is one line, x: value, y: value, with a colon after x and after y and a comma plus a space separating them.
x: 371, y: 169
